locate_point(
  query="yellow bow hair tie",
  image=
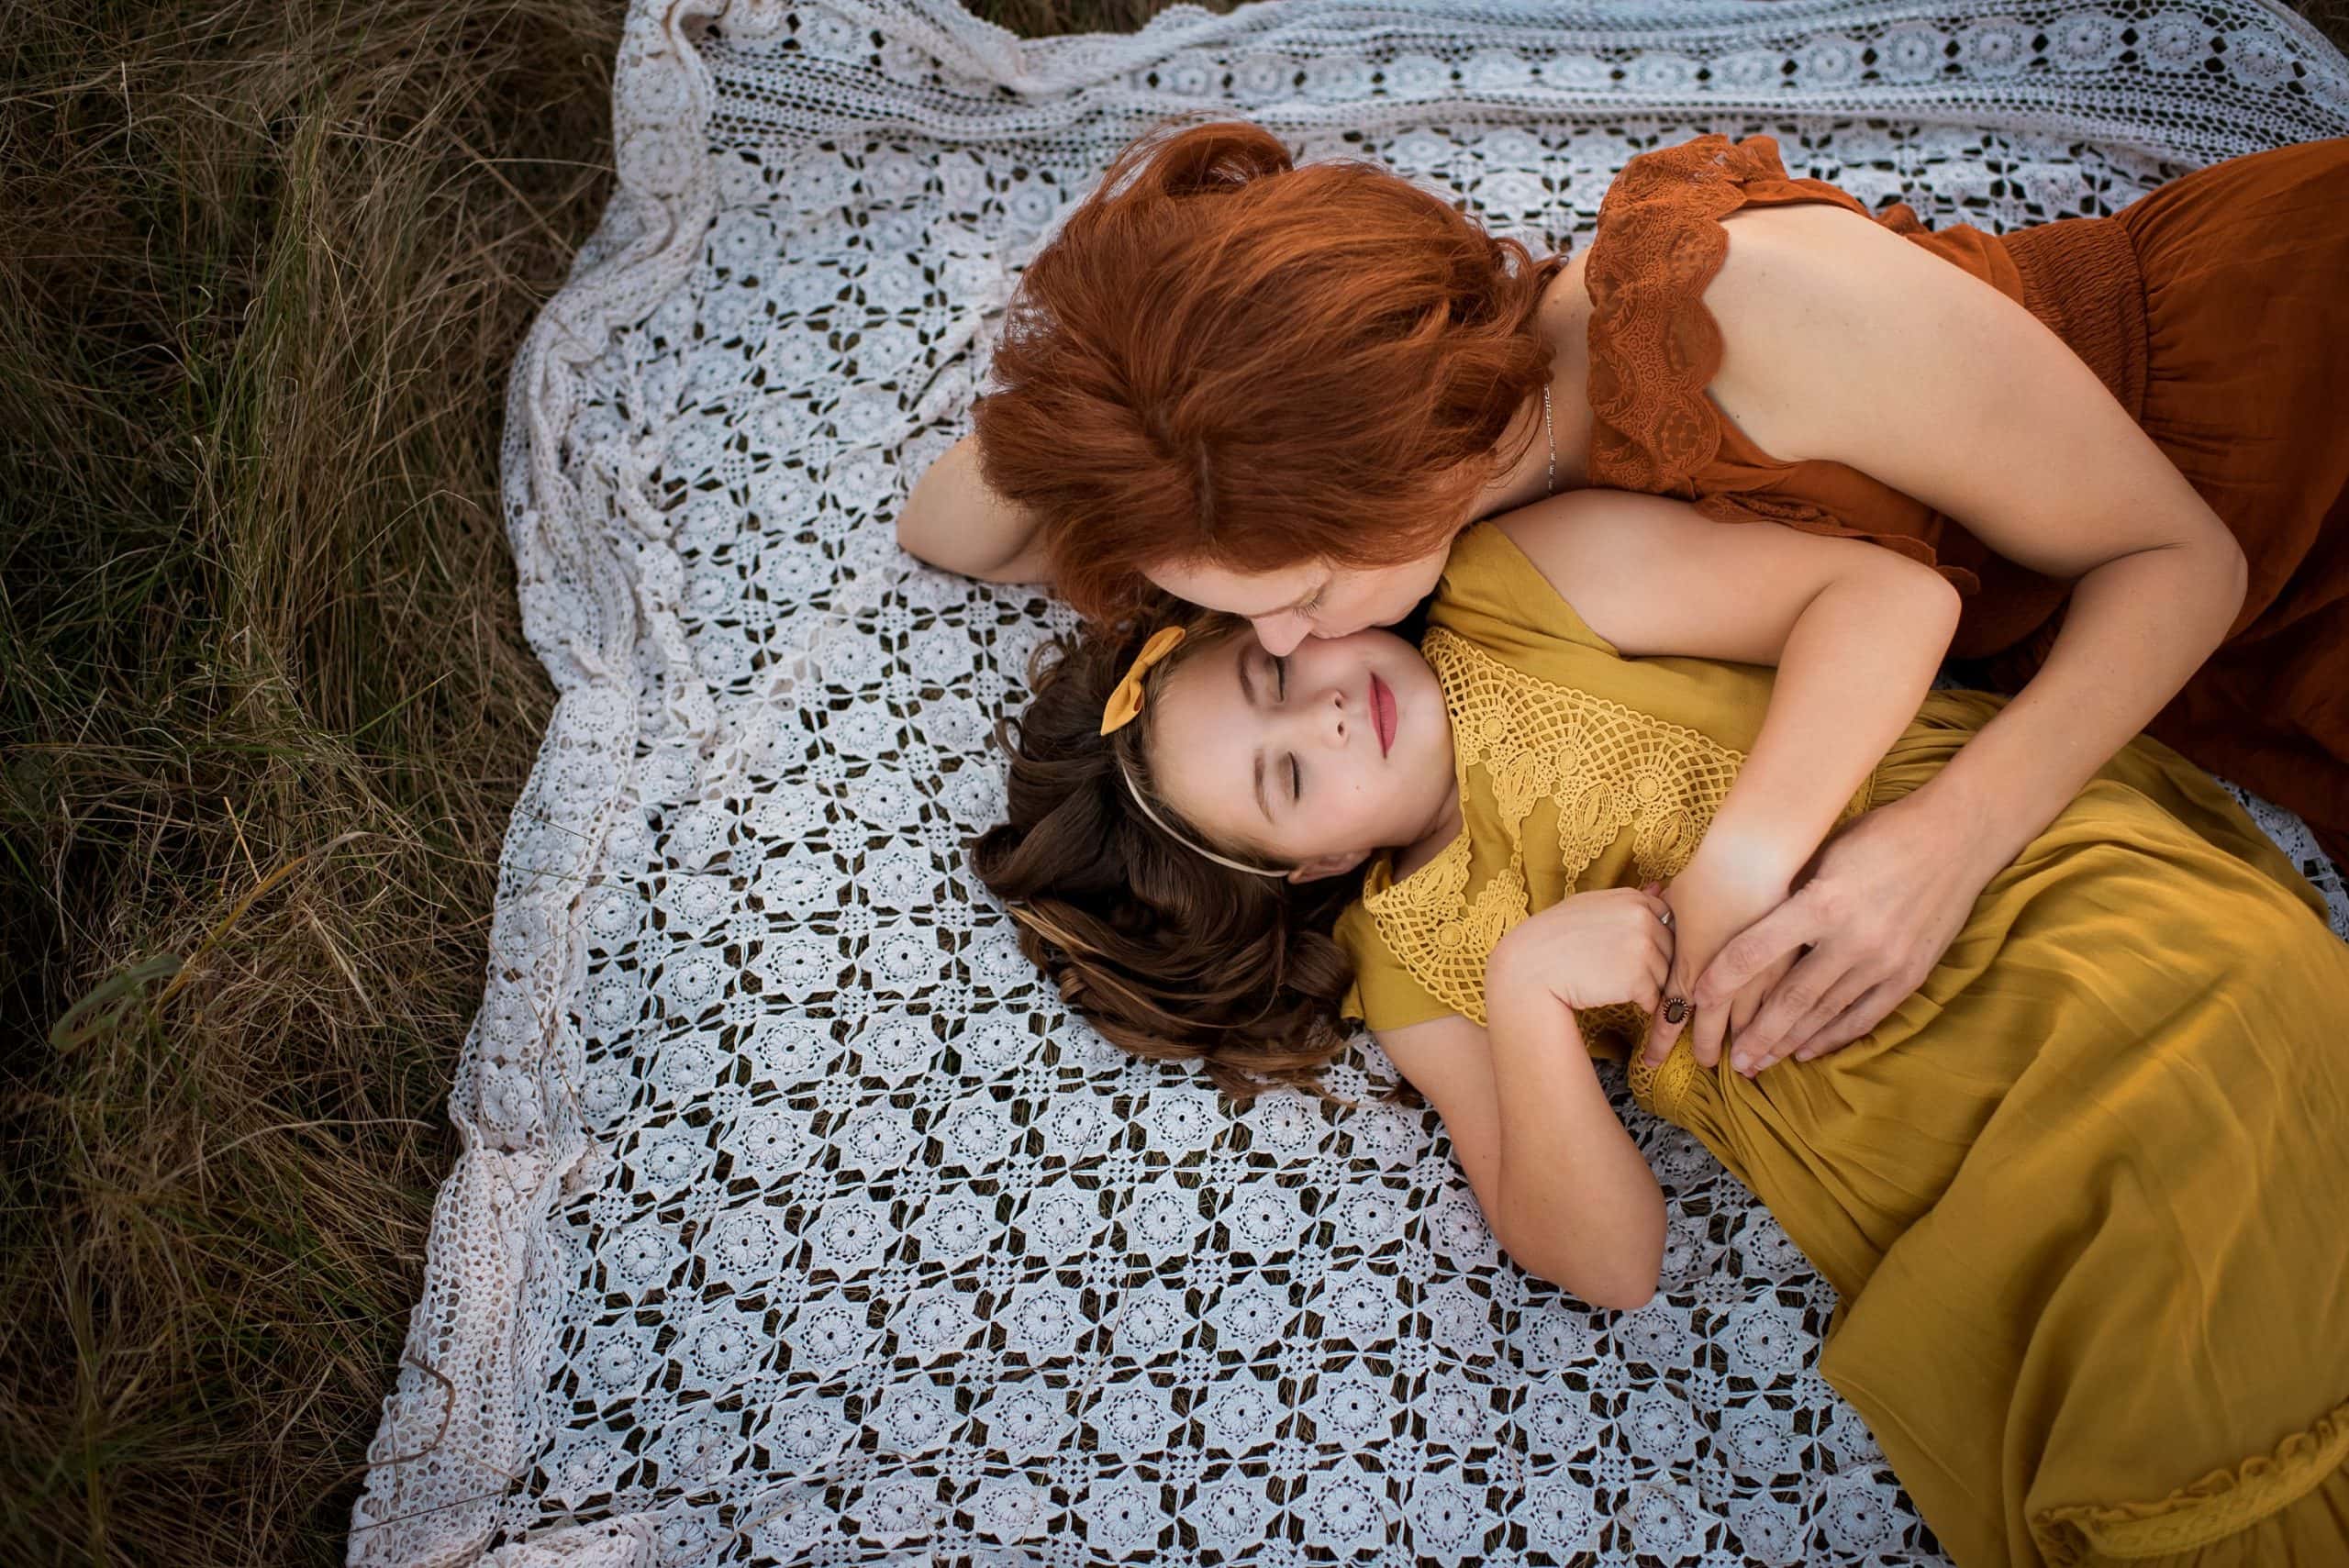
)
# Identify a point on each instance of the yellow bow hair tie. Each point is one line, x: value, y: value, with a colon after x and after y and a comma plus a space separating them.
x: 1126, y: 701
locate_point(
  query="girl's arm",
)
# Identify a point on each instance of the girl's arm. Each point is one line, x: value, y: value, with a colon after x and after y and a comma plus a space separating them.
x: 953, y: 521
x: 1855, y: 630
x: 1843, y: 342
x: 1566, y: 1192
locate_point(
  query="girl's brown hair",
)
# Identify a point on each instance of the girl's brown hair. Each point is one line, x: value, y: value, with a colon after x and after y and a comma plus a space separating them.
x: 1227, y: 358
x: 1168, y: 955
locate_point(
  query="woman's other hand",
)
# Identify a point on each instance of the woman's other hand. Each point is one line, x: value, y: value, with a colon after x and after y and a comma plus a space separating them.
x: 953, y: 521
x: 1889, y: 894
x: 1718, y: 895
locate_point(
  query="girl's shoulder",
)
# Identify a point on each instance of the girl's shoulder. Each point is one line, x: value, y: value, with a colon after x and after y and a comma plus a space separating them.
x: 1494, y: 596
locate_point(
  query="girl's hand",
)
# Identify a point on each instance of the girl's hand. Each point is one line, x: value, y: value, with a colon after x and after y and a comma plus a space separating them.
x: 1713, y: 899
x: 1592, y: 949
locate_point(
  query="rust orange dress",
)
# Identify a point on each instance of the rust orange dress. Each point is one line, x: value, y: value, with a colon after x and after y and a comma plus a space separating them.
x: 2215, y: 310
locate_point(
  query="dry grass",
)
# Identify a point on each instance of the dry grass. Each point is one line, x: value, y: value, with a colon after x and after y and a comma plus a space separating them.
x: 265, y: 705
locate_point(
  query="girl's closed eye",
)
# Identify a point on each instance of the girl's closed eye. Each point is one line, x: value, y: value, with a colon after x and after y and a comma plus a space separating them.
x: 1295, y: 779
x: 1280, y: 679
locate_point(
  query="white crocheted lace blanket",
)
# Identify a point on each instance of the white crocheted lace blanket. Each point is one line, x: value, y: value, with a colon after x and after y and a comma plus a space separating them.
x: 797, y: 1222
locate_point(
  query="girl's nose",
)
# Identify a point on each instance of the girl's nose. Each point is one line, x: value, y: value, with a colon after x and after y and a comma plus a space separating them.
x: 1326, y: 719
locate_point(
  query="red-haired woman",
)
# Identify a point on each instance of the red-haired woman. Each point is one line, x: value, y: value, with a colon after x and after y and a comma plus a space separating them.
x: 1281, y: 391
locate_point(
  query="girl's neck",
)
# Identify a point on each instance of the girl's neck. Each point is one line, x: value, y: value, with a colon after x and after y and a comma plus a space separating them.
x: 1442, y: 829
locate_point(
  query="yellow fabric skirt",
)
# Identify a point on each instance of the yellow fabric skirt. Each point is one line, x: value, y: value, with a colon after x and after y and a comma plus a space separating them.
x: 2086, y: 1194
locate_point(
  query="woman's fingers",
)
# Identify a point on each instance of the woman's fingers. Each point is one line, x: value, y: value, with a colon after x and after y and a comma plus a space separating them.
x: 1783, y: 932
x: 1707, y: 1031
x: 1846, y: 989
x: 1798, y: 999
x: 1888, y: 896
x: 1744, y: 1008
x: 1873, y: 1007
x: 1763, y: 1061
x: 1747, y: 1003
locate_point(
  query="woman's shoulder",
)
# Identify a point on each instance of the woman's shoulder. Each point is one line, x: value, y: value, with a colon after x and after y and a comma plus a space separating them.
x: 1655, y: 346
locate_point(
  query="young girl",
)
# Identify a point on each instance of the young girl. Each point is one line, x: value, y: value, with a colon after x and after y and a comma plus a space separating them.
x: 2081, y: 1195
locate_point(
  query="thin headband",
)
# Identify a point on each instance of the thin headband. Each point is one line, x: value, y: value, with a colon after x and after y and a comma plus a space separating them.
x: 1123, y: 706
x: 1165, y: 826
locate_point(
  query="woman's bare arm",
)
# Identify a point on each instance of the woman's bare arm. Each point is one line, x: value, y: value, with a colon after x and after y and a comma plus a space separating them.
x: 955, y: 522
x: 1843, y: 342
x: 1846, y: 342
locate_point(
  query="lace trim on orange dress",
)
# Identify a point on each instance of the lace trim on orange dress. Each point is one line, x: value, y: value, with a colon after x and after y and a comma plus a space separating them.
x: 1656, y: 347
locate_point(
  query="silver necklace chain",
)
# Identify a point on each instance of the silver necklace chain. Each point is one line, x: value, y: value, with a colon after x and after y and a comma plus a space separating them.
x: 1550, y: 433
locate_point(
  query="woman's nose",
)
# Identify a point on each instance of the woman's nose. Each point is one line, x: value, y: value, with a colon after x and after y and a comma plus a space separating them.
x: 1280, y: 634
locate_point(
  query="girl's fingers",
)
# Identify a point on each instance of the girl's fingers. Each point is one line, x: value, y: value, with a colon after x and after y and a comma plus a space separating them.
x: 1662, y: 1030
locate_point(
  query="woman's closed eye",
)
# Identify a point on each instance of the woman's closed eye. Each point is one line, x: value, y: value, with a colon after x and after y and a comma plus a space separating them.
x: 1295, y: 779
x: 1280, y: 679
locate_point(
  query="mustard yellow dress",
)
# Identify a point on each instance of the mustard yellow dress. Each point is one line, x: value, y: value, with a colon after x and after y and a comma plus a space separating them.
x: 2085, y: 1195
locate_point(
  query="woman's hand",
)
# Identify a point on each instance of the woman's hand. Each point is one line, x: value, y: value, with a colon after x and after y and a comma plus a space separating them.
x: 1889, y: 894
x: 1592, y: 949
x: 1719, y: 895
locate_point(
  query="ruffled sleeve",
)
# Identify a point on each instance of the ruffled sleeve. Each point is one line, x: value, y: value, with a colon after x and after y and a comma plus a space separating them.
x: 1654, y: 345
x: 1385, y: 994
x: 1805, y: 517
x: 1656, y: 348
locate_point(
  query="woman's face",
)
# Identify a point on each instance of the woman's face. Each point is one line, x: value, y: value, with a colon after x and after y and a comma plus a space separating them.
x: 1313, y: 759
x: 1317, y: 599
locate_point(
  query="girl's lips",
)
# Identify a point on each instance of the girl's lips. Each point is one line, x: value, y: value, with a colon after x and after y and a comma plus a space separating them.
x: 1382, y: 712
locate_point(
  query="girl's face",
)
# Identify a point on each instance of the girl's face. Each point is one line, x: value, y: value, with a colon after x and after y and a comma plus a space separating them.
x: 1314, y: 759
x: 1317, y: 599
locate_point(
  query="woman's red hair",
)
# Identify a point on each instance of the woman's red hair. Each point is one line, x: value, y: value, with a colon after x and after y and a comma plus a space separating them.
x: 1227, y: 358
